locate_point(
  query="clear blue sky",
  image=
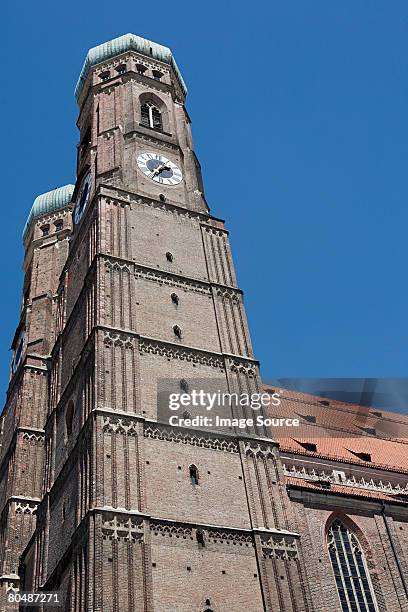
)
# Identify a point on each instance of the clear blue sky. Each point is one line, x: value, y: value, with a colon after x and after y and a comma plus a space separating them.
x: 300, y: 122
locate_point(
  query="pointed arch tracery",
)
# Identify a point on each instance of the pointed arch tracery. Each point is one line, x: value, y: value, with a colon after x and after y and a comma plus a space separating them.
x: 354, y: 586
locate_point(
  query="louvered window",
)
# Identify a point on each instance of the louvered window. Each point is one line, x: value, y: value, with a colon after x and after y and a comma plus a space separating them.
x: 151, y: 116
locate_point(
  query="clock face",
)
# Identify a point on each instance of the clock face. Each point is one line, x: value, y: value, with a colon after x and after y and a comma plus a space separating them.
x: 82, y: 198
x: 159, y: 169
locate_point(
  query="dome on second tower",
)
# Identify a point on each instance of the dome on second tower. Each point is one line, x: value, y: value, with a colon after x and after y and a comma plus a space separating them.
x: 49, y: 202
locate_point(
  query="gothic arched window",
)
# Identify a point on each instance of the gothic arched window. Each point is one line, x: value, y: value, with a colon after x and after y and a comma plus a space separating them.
x: 193, y: 474
x: 151, y: 116
x: 177, y: 331
x: 200, y: 538
x: 350, y: 570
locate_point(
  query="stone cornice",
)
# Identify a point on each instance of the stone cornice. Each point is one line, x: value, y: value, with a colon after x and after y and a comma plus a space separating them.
x: 142, y: 134
x: 127, y: 197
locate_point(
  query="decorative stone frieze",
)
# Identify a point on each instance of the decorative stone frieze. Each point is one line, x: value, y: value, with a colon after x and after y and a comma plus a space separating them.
x: 125, y: 528
x: 171, y: 434
x: 277, y: 546
x: 164, y: 349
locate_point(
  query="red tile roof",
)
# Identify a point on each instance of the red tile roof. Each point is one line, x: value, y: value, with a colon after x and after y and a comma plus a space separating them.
x: 342, y: 431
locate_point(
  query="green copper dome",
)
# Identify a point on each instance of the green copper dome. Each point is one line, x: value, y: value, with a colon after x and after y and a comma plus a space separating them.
x: 49, y: 202
x: 127, y: 42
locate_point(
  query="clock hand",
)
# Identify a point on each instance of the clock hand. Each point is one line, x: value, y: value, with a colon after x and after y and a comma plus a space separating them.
x: 160, y: 169
x: 157, y: 170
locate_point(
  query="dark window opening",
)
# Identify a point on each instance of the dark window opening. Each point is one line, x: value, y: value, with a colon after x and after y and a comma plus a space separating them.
x: 157, y: 74
x: 45, y: 230
x: 27, y: 294
x: 324, y: 402
x: 193, y: 475
x: 140, y: 68
x: 177, y: 331
x: 105, y: 76
x: 169, y: 256
x: 186, y: 415
x: 121, y: 69
x: 200, y: 538
x: 69, y: 418
x: 184, y: 385
x: 58, y: 226
x: 175, y: 298
x: 150, y: 116
x: 86, y: 140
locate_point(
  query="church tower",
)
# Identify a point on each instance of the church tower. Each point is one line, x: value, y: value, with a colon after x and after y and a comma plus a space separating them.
x: 23, y: 419
x: 136, y: 514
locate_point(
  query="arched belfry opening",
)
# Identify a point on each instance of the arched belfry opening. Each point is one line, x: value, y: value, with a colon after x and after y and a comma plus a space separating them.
x: 153, y: 112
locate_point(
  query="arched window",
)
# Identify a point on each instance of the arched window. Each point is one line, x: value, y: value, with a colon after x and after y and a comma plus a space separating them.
x: 177, y: 331
x: 69, y: 417
x: 193, y: 474
x: 350, y: 570
x: 151, y: 116
x: 141, y: 68
x: 200, y: 538
x: 157, y: 74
